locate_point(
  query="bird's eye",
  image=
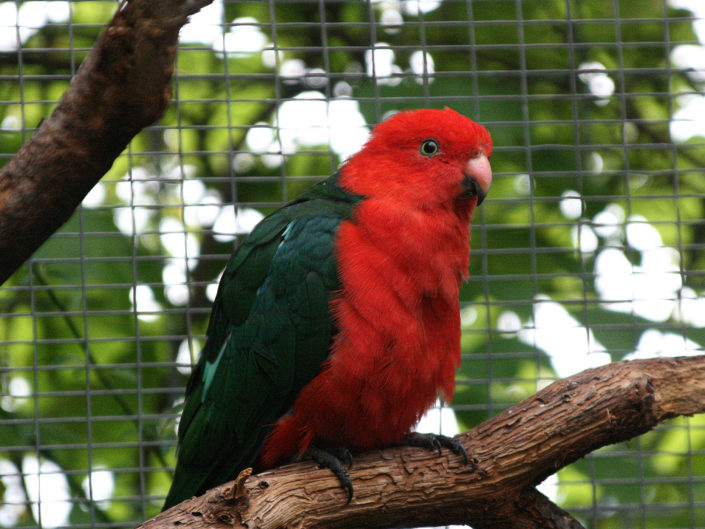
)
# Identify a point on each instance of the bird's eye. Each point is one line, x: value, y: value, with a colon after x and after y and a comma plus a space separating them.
x: 429, y: 147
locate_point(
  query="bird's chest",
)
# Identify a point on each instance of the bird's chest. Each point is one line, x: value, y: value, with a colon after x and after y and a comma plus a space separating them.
x: 398, y: 320
x: 390, y: 369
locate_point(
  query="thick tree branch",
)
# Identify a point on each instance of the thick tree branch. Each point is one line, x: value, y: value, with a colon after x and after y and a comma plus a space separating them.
x: 121, y: 87
x: 511, y: 453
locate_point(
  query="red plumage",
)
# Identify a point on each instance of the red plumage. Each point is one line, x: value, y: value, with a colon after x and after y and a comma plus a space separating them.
x: 401, y: 259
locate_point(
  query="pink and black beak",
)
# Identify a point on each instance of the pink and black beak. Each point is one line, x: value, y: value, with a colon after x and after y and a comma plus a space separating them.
x: 478, y: 177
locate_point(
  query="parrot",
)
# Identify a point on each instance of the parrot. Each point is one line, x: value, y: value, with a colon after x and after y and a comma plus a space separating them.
x: 336, y: 323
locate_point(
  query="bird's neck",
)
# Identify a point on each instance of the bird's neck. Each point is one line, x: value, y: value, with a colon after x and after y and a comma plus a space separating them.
x: 431, y: 245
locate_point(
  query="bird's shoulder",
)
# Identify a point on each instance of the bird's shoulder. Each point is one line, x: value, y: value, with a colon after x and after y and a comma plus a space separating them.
x: 297, y: 234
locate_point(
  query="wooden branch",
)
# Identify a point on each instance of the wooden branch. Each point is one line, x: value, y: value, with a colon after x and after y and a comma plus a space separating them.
x: 121, y: 87
x: 511, y: 453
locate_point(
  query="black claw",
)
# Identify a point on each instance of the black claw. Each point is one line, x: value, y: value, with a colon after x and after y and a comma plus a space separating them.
x: 457, y: 448
x: 433, y: 441
x: 331, y: 458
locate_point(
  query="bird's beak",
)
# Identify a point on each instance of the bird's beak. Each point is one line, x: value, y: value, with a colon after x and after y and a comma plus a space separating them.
x: 478, y: 177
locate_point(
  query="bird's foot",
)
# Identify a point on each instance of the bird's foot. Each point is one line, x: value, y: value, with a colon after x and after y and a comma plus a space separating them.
x: 333, y: 458
x: 434, y: 441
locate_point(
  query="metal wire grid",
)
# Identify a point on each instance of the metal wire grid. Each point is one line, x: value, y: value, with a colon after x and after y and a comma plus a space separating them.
x: 90, y: 381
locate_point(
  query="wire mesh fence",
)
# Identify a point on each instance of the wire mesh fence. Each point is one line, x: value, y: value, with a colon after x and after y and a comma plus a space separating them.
x: 589, y: 249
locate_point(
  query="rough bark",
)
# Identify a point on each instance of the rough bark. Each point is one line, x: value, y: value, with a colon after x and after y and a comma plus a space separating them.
x: 121, y: 87
x: 511, y: 454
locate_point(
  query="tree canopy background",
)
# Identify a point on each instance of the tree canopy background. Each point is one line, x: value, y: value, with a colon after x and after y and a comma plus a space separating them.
x: 589, y: 248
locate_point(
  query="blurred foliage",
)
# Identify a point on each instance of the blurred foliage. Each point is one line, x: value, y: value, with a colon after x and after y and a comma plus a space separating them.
x: 69, y: 322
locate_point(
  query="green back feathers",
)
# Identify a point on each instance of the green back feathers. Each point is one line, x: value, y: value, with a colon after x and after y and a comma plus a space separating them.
x: 269, y: 333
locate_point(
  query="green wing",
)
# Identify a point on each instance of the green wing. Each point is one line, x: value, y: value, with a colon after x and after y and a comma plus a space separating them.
x: 269, y: 333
